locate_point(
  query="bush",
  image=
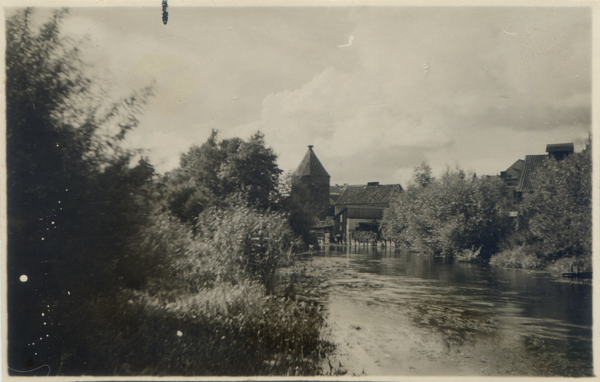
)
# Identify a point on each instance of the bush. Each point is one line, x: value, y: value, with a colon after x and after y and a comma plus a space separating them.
x: 522, y: 257
x: 247, y: 243
x: 570, y: 264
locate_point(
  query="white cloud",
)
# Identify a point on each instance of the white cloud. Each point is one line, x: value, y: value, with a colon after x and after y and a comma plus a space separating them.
x: 487, y: 99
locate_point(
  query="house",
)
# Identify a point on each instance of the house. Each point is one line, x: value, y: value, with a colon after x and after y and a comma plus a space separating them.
x: 360, y: 208
x: 512, y: 174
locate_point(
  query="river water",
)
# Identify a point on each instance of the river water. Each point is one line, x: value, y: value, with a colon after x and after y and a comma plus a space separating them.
x: 391, y: 312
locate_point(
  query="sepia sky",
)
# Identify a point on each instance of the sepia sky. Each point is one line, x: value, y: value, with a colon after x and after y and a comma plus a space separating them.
x: 376, y: 90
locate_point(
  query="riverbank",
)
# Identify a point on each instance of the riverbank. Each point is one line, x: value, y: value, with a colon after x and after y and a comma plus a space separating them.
x: 381, y: 327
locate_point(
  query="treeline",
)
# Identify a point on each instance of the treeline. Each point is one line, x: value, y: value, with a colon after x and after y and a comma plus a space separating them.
x: 454, y: 214
x: 462, y: 215
x: 114, y: 269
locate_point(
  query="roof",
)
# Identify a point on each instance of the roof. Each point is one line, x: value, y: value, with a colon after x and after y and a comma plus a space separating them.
x: 368, y: 194
x: 362, y: 213
x: 336, y: 189
x: 559, y: 147
x: 518, y: 165
x: 365, y: 213
x: 532, y: 162
x: 310, y: 165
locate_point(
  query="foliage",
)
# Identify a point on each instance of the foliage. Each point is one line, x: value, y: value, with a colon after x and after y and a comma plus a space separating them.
x: 422, y: 175
x: 517, y: 257
x: 559, y: 211
x: 216, y: 288
x: 555, y: 226
x: 245, y: 240
x: 241, y: 331
x: 112, y: 270
x: 448, y: 215
x: 219, y: 174
x: 74, y: 201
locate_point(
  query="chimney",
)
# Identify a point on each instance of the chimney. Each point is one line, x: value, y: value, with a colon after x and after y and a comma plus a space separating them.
x: 310, y: 146
x: 372, y: 184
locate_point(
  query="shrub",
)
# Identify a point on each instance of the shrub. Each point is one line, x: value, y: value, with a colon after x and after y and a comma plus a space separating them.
x: 520, y: 257
x: 245, y: 241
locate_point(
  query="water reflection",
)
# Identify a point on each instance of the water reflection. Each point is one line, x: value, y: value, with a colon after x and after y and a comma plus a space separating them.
x: 546, y: 320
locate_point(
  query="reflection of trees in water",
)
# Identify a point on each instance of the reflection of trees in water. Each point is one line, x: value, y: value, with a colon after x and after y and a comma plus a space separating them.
x: 526, y: 317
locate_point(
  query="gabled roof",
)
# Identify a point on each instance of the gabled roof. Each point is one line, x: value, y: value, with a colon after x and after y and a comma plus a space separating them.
x: 532, y: 162
x: 310, y: 165
x: 368, y: 194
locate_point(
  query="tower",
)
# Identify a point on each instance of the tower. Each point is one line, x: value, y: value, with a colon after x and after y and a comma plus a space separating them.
x: 311, y: 180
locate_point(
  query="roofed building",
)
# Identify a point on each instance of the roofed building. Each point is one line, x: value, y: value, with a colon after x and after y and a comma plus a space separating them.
x: 311, y: 178
x: 512, y: 174
x: 360, y: 208
x: 560, y: 150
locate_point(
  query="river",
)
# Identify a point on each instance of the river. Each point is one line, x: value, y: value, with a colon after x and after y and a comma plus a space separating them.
x: 391, y: 312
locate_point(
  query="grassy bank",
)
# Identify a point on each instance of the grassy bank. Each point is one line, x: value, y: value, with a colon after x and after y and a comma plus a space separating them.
x: 524, y: 257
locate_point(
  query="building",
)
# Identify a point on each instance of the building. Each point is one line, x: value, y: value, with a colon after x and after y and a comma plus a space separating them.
x: 511, y: 176
x: 360, y: 208
x: 560, y: 150
x: 312, y: 181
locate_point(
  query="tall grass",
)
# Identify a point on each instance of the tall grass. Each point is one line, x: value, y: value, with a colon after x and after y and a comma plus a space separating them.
x: 210, y: 306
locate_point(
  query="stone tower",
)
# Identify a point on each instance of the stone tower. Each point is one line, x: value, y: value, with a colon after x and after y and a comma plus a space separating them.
x: 311, y: 180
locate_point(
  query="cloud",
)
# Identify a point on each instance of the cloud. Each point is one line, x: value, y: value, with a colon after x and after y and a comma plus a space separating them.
x: 441, y: 84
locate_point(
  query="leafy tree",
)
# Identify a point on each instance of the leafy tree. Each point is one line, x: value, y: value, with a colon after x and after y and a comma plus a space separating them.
x: 559, y: 211
x: 250, y: 173
x: 422, y: 175
x: 229, y: 172
x: 73, y: 199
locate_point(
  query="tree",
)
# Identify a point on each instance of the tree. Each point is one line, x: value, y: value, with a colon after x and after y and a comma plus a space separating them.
x: 422, y: 175
x: 250, y: 173
x: 448, y: 215
x: 229, y: 172
x: 559, y: 211
x: 74, y: 201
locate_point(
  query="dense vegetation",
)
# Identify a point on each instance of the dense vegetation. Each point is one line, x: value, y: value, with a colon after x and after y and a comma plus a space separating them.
x: 130, y: 272
x: 555, y: 224
x: 468, y: 217
x: 453, y: 214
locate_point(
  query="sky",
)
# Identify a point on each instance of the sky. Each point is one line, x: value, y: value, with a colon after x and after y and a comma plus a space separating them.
x: 377, y: 90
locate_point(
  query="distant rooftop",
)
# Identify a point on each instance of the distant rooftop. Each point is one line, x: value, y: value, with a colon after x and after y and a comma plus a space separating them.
x: 532, y: 162
x: 559, y: 147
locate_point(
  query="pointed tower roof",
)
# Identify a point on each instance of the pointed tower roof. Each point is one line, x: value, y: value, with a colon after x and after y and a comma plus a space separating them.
x: 310, y: 165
